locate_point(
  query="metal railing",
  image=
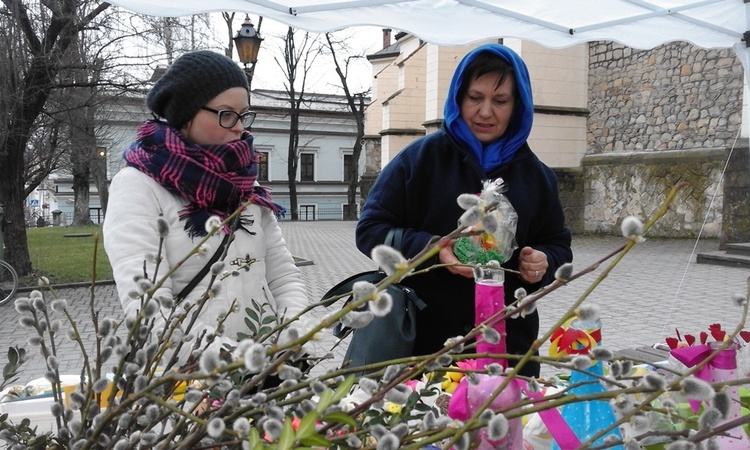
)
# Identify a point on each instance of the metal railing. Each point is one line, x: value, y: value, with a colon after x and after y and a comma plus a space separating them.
x: 45, y: 219
x: 309, y: 214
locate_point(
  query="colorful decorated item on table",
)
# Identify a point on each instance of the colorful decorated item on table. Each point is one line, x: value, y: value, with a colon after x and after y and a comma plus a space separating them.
x: 492, y: 245
x: 489, y: 299
x: 496, y: 235
x: 469, y: 397
x: 568, y: 340
x: 585, y: 418
x: 721, y: 368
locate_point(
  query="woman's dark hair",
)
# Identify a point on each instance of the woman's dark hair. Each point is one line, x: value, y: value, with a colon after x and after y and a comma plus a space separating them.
x: 482, y: 65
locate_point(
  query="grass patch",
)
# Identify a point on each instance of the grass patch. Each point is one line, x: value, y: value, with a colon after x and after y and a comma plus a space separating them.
x: 66, y: 259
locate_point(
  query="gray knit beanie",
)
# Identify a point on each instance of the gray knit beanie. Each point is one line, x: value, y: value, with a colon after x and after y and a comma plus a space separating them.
x: 191, y: 81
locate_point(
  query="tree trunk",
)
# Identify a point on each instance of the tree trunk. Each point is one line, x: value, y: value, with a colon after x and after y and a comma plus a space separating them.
x: 293, y: 163
x: 14, y: 228
x: 354, y: 182
x: 84, y: 157
x: 81, y: 190
x: 102, y: 186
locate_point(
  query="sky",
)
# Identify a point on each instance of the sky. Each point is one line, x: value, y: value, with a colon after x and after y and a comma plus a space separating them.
x: 322, y: 77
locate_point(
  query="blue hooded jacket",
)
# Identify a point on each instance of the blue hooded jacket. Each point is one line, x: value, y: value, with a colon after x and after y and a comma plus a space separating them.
x: 498, y: 152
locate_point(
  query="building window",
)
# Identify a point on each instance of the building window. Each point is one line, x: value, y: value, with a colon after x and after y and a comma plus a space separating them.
x: 307, y: 212
x: 262, y: 166
x: 347, y: 167
x: 307, y: 167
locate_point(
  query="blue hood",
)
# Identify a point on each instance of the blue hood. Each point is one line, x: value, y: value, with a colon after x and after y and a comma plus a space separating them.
x: 498, y: 152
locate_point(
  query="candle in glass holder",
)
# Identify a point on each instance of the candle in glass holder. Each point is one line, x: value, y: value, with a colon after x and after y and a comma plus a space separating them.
x: 489, y: 299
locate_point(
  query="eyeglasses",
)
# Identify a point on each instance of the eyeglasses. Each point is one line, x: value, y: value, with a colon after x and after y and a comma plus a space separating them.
x: 228, y: 118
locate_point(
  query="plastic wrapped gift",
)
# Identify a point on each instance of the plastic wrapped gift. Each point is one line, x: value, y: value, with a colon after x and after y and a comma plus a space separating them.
x: 495, y: 237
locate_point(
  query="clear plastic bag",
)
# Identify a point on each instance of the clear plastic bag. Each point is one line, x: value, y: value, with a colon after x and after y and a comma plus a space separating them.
x: 496, y: 238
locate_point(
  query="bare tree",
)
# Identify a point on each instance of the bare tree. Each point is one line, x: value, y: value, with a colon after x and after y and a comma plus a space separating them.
x: 86, y: 95
x: 298, y: 59
x: 36, y: 50
x: 177, y: 35
x: 80, y: 124
x: 357, y: 105
x: 228, y: 18
x: 48, y: 50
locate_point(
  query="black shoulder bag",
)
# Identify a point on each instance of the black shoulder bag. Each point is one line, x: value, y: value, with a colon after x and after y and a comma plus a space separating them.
x: 385, y: 338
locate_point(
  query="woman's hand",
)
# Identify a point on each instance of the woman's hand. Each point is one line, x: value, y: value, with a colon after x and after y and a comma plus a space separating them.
x: 532, y: 264
x: 446, y: 256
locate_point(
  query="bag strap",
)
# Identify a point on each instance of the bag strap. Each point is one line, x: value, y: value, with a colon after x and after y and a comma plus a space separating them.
x: 394, y: 237
x: 345, y: 286
x: 215, y: 257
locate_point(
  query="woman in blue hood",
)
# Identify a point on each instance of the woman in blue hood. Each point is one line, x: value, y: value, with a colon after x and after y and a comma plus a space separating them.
x: 487, y: 120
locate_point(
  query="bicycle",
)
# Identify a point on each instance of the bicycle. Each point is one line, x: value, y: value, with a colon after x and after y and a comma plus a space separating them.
x: 8, y: 282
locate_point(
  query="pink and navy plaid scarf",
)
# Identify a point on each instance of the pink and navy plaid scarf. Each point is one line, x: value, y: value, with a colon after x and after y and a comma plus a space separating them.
x: 215, y: 179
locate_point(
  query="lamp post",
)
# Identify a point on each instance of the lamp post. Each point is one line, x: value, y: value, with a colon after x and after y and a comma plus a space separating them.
x: 248, y: 42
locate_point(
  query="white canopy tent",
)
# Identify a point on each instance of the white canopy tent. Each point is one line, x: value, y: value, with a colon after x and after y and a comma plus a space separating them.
x: 551, y: 23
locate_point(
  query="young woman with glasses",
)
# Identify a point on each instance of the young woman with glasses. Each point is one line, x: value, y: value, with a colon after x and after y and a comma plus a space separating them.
x: 193, y: 162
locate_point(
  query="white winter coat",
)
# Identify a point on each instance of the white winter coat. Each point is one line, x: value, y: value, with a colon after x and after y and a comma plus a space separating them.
x: 131, y: 237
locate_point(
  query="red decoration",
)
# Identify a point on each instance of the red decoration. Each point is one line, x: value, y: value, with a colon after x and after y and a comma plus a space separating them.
x: 717, y: 332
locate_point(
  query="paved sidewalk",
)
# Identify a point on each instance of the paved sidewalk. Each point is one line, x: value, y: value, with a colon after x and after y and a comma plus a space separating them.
x: 656, y: 288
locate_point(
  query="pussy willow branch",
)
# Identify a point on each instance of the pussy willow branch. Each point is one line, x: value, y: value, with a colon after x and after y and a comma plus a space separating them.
x: 424, y: 360
x: 530, y: 406
x: 721, y: 429
x: 95, y: 316
x: 571, y: 311
x: 502, y: 315
x: 420, y: 258
x: 132, y: 332
x: 675, y: 384
x: 116, y: 410
x: 195, y: 250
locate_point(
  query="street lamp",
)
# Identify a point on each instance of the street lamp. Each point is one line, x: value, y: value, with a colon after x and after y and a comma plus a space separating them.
x: 247, y: 42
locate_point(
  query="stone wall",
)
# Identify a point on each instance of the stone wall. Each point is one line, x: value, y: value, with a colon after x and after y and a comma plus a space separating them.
x: 371, y: 145
x: 571, y: 187
x: 622, y: 184
x: 673, y: 97
x: 736, y: 224
x: 659, y: 117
